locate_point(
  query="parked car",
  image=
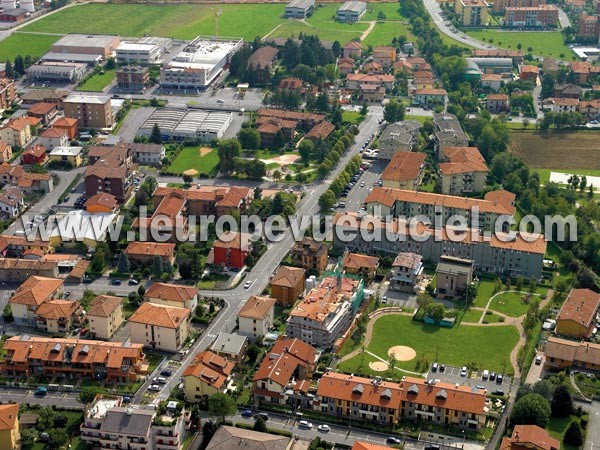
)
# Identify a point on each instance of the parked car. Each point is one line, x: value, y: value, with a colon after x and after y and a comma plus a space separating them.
x: 324, y: 428
x: 538, y: 360
x: 41, y: 391
x: 166, y: 373
x: 499, y: 378
x: 432, y: 447
x: 126, y: 399
x: 247, y: 413
x: 160, y: 380
x: 493, y: 376
x: 305, y: 424
x: 434, y: 367
x: 393, y: 440
x: 442, y: 368
x: 115, y: 282
x: 498, y: 392
x: 154, y: 388
x: 133, y: 282
x: 463, y: 371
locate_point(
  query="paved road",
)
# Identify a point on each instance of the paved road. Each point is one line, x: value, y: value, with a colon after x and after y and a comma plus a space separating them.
x: 563, y: 18
x: 132, y: 123
x: 592, y: 441
x: 434, y: 11
x: 22, y: 396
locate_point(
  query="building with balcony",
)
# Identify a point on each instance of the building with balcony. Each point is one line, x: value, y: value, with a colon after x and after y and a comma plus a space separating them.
x: 207, y: 375
x: 93, y: 112
x: 472, y: 13
x: 9, y: 427
x: 287, y: 285
x: 400, y: 136
x: 448, y: 132
x: 407, y: 270
x: 531, y: 437
x: 404, y: 171
x: 463, y: 172
x: 58, y: 316
x: 30, y: 295
x: 453, y: 276
x: 105, y: 316
x: 176, y: 295
x: 255, y: 319
x: 159, y: 327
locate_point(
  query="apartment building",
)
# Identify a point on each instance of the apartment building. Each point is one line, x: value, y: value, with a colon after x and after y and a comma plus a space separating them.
x: 407, y: 270
x: 168, y: 221
x: 356, y: 81
x: 542, y: 16
x: 398, y: 137
x: 115, y: 362
x: 326, y: 311
x: 7, y: 93
x: 577, y: 316
x: 448, y: 133
x: 105, y: 316
x: 11, y: 202
x: 287, y: 285
x: 110, y: 171
x: 404, y: 171
x: 58, y: 316
x: 230, y: 250
x: 310, y: 254
x: 453, y: 276
x: 210, y: 200
x: 529, y: 436
x: 498, y: 6
x: 352, y: 49
x: 93, y: 112
x: 255, y: 319
x: 464, y: 171
x: 9, y: 427
x: 159, y: 327
x: 17, y: 270
x: 589, y: 26
x: 430, y: 97
x: 6, y: 152
x: 364, y: 265
x: 207, y: 375
x: 472, y: 13
x: 438, y: 208
x: 176, y: 295
x: 144, y: 253
x: 287, y: 366
x: 502, y: 254
x: 30, y: 295
x: 411, y: 399
x: 133, y: 78
x: 54, y: 137
x: 147, y: 154
x: 16, y: 132
x: 232, y: 347
x: 385, y: 56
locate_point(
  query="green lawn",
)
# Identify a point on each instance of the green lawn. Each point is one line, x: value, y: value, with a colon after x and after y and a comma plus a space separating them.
x: 485, y: 290
x: 294, y: 29
x: 26, y: 44
x: 190, y: 158
x: 557, y: 429
x: 178, y: 21
x: 548, y: 43
x: 450, y: 346
x: 391, y: 11
x: 384, y: 32
x: 491, y: 318
x: 97, y: 82
x: 545, y: 173
x: 352, y: 117
x: 472, y: 315
x: 510, y: 303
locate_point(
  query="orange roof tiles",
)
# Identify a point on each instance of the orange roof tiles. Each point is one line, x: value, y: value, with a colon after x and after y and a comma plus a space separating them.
x: 462, y: 160
x: 57, y: 309
x: 102, y: 199
x: 160, y: 315
x: 364, y: 78
x: 104, y: 305
x: 162, y: 249
x: 257, y: 307
x: 526, y: 436
x: 368, y: 446
x: 54, y: 133
x: 36, y: 290
x: 288, y: 276
x: 174, y: 292
x: 280, y: 364
x: 42, y: 108
x: 571, y: 351
x: 431, y: 92
x: 8, y: 416
x: 404, y: 166
x: 321, y: 130
x: 358, y: 261
x: 580, y: 306
x: 17, y: 124
x: 66, y: 122
x: 498, y: 97
x: 231, y: 240
x: 210, y: 368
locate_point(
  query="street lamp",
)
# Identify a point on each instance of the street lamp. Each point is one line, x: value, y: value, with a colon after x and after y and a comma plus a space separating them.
x: 217, y: 14
x: 463, y: 443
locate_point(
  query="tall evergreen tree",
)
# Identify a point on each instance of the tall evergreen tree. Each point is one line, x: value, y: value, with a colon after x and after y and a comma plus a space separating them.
x: 123, y: 266
x: 156, y: 136
x: 157, y: 266
x: 8, y: 69
x: 19, y: 66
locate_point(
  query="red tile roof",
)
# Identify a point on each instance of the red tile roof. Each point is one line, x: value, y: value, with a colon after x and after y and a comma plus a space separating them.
x: 160, y: 315
x: 257, y: 307
x: 404, y: 166
x: 581, y: 306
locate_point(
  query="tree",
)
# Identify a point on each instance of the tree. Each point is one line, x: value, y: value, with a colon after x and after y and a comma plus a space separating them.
x: 364, y: 109
x: 58, y: 438
x: 208, y: 431
x: 110, y: 63
x: 157, y: 266
x: 19, y: 66
x: 393, y: 111
x: 156, y: 136
x: 123, y: 266
x: 305, y: 149
x: 60, y: 421
x: 436, y: 311
x: 260, y: 425
x: 187, y: 179
x: 278, y: 140
x: 8, y: 69
x: 547, y: 86
x: 228, y: 149
x: 249, y: 138
x: 562, y: 402
x: 327, y: 200
x: 574, y: 435
x: 381, y: 15
x: 89, y: 393
x: 531, y: 409
x: 28, y: 437
x: 336, y: 48
x: 336, y: 117
x: 221, y: 405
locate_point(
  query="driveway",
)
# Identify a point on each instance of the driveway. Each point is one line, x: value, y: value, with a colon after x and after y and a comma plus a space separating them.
x: 132, y: 123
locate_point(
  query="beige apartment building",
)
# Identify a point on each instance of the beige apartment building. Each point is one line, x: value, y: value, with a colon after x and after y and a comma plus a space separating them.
x: 256, y: 317
x: 90, y: 111
x: 159, y: 326
x: 105, y: 316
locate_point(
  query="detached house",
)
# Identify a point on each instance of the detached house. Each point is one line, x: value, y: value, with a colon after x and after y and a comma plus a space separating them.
x: 287, y: 285
x: 363, y: 265
x: 255, y: 319
x: 207, y: 375
x: 310, y: 255
x: 54, y: 137
x: 160, y: 327
x: 30, y: 295
x: 144, y: 253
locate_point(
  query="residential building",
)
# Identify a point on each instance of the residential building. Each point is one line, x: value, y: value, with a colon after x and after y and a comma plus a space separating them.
x: 133, y: 78
x: 320, y: 131
x: 17, y: 270
x: 529, y: 436
x: 567, y: 90
x: 412, y: 399
x: 176, y: 295
x: 110, y: 171
x: 105, y: 316
x: 93, y: 112
x: 562, y: 353
x: 448, y: 133
x: 210, y: 200
x: 68, y: 124
x: 169, y: 219
x: 34, y: 155
x: 356, y: 81
x: 589, y: 26
x: 102, y: 203
x: 464, y: 171
x: 11, y: 202
x: 287, y: 285
x: 407, y: 270
x: 143, y: 253
x: 398, y: 137
x: 310, y: 254
x: 30, y: 295
x: 54, y: 137
x: 5, y: 152
x: 255, y: 319
x: 577, y: 316
x: 230, y: 250
x: 44, y: 95
x: 228, y: 437
x: 326, y: 312
x: 351, y: 11
x: 494, y: 81
x: 299, y: 9
x: 58, y: 316
x: 358, y: 445
x: 453, y: 276
x: 232, y: 347
x: 115, y: 362
x: 93, y: 228
x: 498, y: 6
x: 263, y: 58
x: 7, y: 93
x: 590, y: 109
x: 550, y: 67
x: 370, y: 93
x: 46, y: 112
x: 345, y: 66
x: 287, y: 366
x: 521, y: 254
x: 472, y: 13
x: 353, y: 49
x: 147, y: 154
x: 385, y: 56
x: 9, y: 427
x: 373, y: 68
x: 404, y: 171
x: 159, y: 327
x: 430, y: 97
x: 14, y: 15
x: 16, y: 132
x: 207, y: 375
x: 498, y: 103
x: 363, y: 265
x: 26, y: 181
x: 559, y: 105
x: 541, y: 16
x: 67, y: 155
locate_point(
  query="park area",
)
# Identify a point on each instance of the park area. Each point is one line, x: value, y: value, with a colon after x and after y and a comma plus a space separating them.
x: 98, y: 81
x: 202, y: 160
x: 547, y: 43
x: 431, y: 343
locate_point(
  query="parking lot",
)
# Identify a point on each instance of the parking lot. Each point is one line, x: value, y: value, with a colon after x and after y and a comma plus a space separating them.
x: 451, y: 374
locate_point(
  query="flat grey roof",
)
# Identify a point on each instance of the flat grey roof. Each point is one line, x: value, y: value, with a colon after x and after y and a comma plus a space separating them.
x: 228, y: 343
x: 71, y: 57
x: 354, y: 6
x: 86, y: 40
x: 301, y: 4
x: 86, y: 98
x: 134, y: 422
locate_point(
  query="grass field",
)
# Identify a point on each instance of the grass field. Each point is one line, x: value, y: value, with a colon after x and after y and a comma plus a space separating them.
x: 472, y: 315
x: 26, y: 44
x: 510, y: 303
x: 451, y: 346
x: 557, y: 150
x: 98, y: 82
x: 548, y: 43
x: 384, y: 32
x: 485, y: 290
x: 545, y: 173
x: 190, y: 158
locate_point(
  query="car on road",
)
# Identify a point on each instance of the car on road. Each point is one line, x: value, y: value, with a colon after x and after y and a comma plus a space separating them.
x: 247, y: 413
x: 263, y: 415
x: 166, y: 373
x: 115, y: 282
x: 324, y: 428
x: 393, y: 440
x: 154, y: 388
x: 126, y: 399
x: 220, y: 101
x: 247, y: 284
x: 41, y: 391
x: 87, y: 280
x: 133, y: 282
x: 538, y: 360
x: 499, y: 378
x: 432, y: 447
x: 463, y: 371
x: 160, y: 380
x: 305, y: 424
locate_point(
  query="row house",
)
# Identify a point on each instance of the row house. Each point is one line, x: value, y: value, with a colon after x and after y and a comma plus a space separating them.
x: 564, y: 353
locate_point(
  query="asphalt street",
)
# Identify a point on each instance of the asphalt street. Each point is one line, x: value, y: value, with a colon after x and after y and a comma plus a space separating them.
x: 22, y: 396
x: 592, y: 439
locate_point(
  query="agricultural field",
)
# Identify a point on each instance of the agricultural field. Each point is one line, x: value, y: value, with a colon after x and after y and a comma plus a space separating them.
x: 548, y: 43
x: 559, y: 151
x: 24, y: 44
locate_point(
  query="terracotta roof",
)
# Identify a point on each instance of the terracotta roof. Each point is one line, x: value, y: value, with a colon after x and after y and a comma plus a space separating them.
x: 231, y: 240
x: 581, y: 306
x: 262, y: 57
x: 493, y: 202
x: 104, y: 305
x: 526, y: 436
x: 42, y: 108
x: 498, y: 97
x: 65, y: 122
x: 227, y: 438
x: 404, y: 166
x: 36, y: 290
x: 407, y: 259
x: 364, y: 78
x: 358, y: 261
x: 564, y: 101
x: 8, y: 416
x: 280, y: 364
x: 368, y: 446
x: 491, y: 77
x: 36, y: 151
x: 290, y: 115
x: 462, y: 160
x: 257, y: 307
x: 54, y: 133
x: 353, y: 45
x: 288, y: 276
x: 571, y: 351
x: 321, y: 130
x: 171, y: 206
x: 175, y: 292
x: 160, y: 315
x: 431, y: 92
x: 17, y: 124
x: 102, y: 199
x: 325, y: 299
x: 525, y: 68
x: 210, y: 368
x: 56, y: 309
x: 291, y: 83
x: 163, y: 249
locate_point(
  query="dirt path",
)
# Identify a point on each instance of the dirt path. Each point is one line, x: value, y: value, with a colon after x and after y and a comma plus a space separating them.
x: 368, y: 30
x: 271, y: 32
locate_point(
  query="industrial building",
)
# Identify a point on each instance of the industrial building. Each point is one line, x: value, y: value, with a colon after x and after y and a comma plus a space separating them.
x: 180, y: 124
x: 56, y: 71
x: 299, y: 9
x: 146, y: 50
x: 199, y: 64
x: 100, y: 45
x: 351, y: 11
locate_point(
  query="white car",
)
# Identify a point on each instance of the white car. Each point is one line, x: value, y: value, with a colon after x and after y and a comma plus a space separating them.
x: 324, y: 428
x: 463, y: 371
x: 305, y: 424
x: 154, y: 388
x: 247, y: 284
